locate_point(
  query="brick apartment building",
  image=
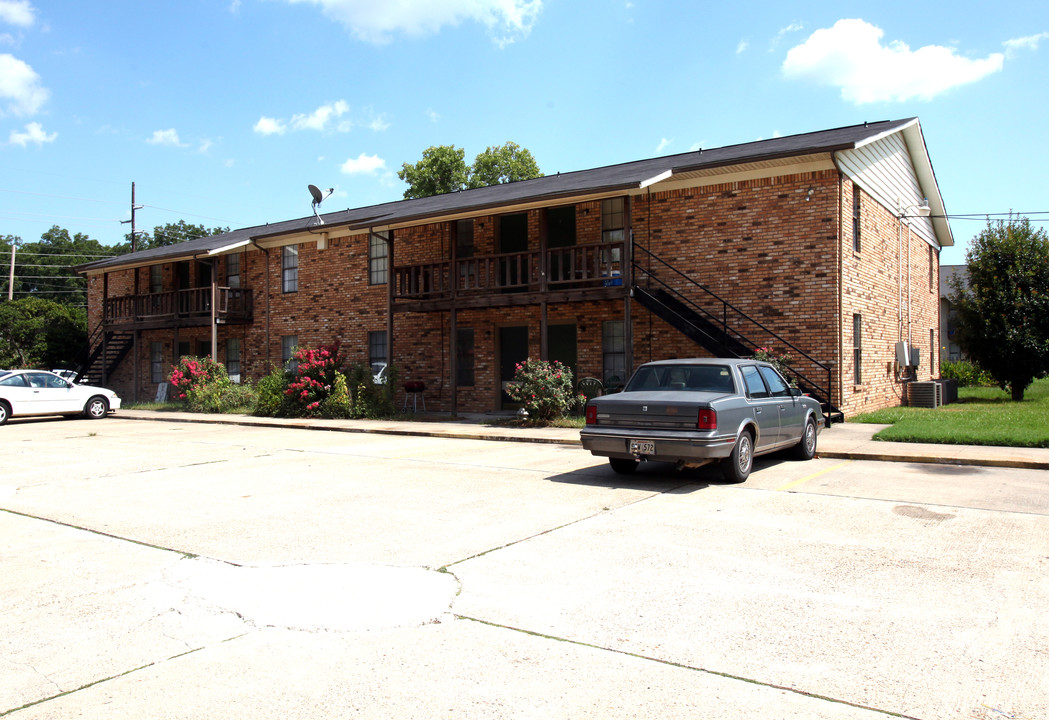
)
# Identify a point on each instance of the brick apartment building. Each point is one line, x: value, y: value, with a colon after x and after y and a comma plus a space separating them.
x: 814, y: 245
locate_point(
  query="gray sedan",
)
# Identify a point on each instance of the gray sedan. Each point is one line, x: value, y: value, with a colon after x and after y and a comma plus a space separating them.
x: 697, y: 411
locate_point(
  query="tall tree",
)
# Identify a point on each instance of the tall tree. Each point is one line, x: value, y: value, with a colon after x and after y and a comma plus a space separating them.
x: 443, y: 169
x: 1003, y: 305
x: 173, y: 233
x: 502, y: 164
x: 41, y: 333
x: 44, y: 269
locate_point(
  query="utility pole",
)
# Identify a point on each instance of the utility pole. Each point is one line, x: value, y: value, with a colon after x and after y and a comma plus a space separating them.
x: 11, y: 279
x: 134, y: 207
x: 134, y: 234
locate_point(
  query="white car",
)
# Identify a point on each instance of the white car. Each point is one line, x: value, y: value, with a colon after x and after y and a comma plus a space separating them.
x: 25, y: 393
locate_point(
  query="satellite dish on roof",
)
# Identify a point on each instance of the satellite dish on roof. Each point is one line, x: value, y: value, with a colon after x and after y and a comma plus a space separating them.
x: 318, y: 198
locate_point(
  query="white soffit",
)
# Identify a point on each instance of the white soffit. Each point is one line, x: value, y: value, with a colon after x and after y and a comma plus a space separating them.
x: 748, y: 171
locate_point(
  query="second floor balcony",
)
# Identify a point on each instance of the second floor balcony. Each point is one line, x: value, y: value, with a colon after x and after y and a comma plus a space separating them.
x: 180, y: 308
x: 576, y: 272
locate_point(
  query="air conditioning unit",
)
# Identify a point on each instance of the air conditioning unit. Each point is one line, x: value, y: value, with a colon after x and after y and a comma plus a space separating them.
x: 927, y: 394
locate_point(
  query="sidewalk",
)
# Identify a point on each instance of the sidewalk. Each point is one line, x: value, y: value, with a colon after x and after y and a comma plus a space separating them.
x: 853, y: 441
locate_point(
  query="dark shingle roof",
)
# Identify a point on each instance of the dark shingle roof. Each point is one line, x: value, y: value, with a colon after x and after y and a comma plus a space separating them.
x: 624, y: 176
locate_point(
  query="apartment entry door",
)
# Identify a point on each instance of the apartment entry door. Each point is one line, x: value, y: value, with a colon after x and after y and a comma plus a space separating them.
x: 561, y: 345
x: 513, y: 349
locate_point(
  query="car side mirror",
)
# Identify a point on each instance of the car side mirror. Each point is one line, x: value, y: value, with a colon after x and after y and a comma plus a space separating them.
x: 796, y: 392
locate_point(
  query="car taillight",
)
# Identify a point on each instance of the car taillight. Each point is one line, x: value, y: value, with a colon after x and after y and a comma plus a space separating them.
x: 591, y: 415
x: 708, y: 419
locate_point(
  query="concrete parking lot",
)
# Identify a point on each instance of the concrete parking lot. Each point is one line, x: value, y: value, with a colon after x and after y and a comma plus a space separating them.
x: 174, y: 570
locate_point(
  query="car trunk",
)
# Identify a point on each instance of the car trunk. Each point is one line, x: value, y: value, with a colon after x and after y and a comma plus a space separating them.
x: 653, y: 409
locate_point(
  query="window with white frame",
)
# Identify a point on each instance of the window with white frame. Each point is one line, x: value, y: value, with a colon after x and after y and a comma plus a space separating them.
x: 233, y: 271
x: 857, y: 204
x: 612, y: 220
x: 156, y: 362
x: 378, y: 257
x: 288, y: 343
x: 613, y: 352
x: 289, y: 268
x: 857, y: 349
x: 233, y: 359
x: 377, y: 350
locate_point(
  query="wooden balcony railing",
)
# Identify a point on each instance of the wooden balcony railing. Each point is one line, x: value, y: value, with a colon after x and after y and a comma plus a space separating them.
x: 573, y: 267
x: 232, y: 305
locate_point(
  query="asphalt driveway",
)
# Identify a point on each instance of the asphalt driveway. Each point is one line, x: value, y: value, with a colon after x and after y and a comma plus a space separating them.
x: 185, y: 571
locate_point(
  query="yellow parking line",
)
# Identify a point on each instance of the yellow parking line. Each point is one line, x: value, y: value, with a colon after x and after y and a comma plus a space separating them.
x: 805, y: 479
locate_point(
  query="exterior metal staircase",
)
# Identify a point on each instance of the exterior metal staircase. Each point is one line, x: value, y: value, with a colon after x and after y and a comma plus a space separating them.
x: 721, y: 328
x: 105, y: 350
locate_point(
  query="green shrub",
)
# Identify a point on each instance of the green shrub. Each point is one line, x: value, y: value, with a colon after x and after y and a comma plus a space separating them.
x: 337, y: 404
x: 370, y: 400
x: 269, y: 394
x: 220, y: 398
x: 544, y: 388
x: 966, y: 372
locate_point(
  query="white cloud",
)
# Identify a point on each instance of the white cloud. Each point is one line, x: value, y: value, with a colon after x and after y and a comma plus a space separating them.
x: 270, y: 126
x: 378, y: 22
x: 165, y: 137
x: 379, y: 123
x: 851, y: 56
x: 16, y: 12
x: 20, y: 90
x: 663, y: 145
x: 742, y: 47
x: 363, y: 165
x: 319, y: 118
x: 432, y: 115
x: 1024, y: 43
x: 205, y: 146
x: 783, y: 32
x: 34, y: 133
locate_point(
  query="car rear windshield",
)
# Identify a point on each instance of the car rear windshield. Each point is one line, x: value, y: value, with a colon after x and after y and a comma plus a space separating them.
x: 691, y: 378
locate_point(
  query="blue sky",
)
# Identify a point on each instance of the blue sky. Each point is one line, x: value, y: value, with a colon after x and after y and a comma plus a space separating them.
x: 222, y: 112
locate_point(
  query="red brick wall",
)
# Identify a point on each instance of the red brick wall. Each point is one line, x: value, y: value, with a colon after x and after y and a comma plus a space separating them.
x: 779, y: 249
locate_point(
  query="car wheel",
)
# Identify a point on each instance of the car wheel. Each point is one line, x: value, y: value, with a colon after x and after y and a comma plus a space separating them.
x: 736, y: 467
x: 5, y: 412
x: 623, y: 466
x: 96, y: 407
x: 806, y: 447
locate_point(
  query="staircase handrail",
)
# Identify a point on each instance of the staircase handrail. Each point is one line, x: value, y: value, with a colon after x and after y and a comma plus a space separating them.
x: 637, y: 267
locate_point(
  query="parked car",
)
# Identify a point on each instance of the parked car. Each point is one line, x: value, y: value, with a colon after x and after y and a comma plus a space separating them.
x: 698, y: 411
x: 69, y: 375
x: 37, y: 392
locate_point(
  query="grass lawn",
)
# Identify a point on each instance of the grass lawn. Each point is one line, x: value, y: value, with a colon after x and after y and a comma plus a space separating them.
x: 982, y: 416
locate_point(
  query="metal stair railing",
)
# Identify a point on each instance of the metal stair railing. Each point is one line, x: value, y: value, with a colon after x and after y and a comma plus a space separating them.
x: 730, y: 331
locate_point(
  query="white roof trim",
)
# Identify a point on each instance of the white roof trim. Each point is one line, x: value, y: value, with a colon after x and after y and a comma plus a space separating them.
x: 227, y: 248
x: 656, y: 178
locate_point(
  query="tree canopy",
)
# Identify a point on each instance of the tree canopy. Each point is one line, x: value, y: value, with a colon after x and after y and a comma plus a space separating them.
x: 443, y: 169
x: 44, y: 269
x: 40, y: 333
x: 503, y: 164
x: 172, y: 233
x: 1003, y: 306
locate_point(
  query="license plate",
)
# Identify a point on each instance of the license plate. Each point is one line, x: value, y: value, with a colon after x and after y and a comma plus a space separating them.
x: 642, y: 447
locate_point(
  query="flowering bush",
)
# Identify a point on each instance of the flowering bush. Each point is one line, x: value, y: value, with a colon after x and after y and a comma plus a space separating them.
x: 780, y: 362
x: 193, y: 374
x: 205, y: 387
x: 312, y: 380
x: 544, y: 388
